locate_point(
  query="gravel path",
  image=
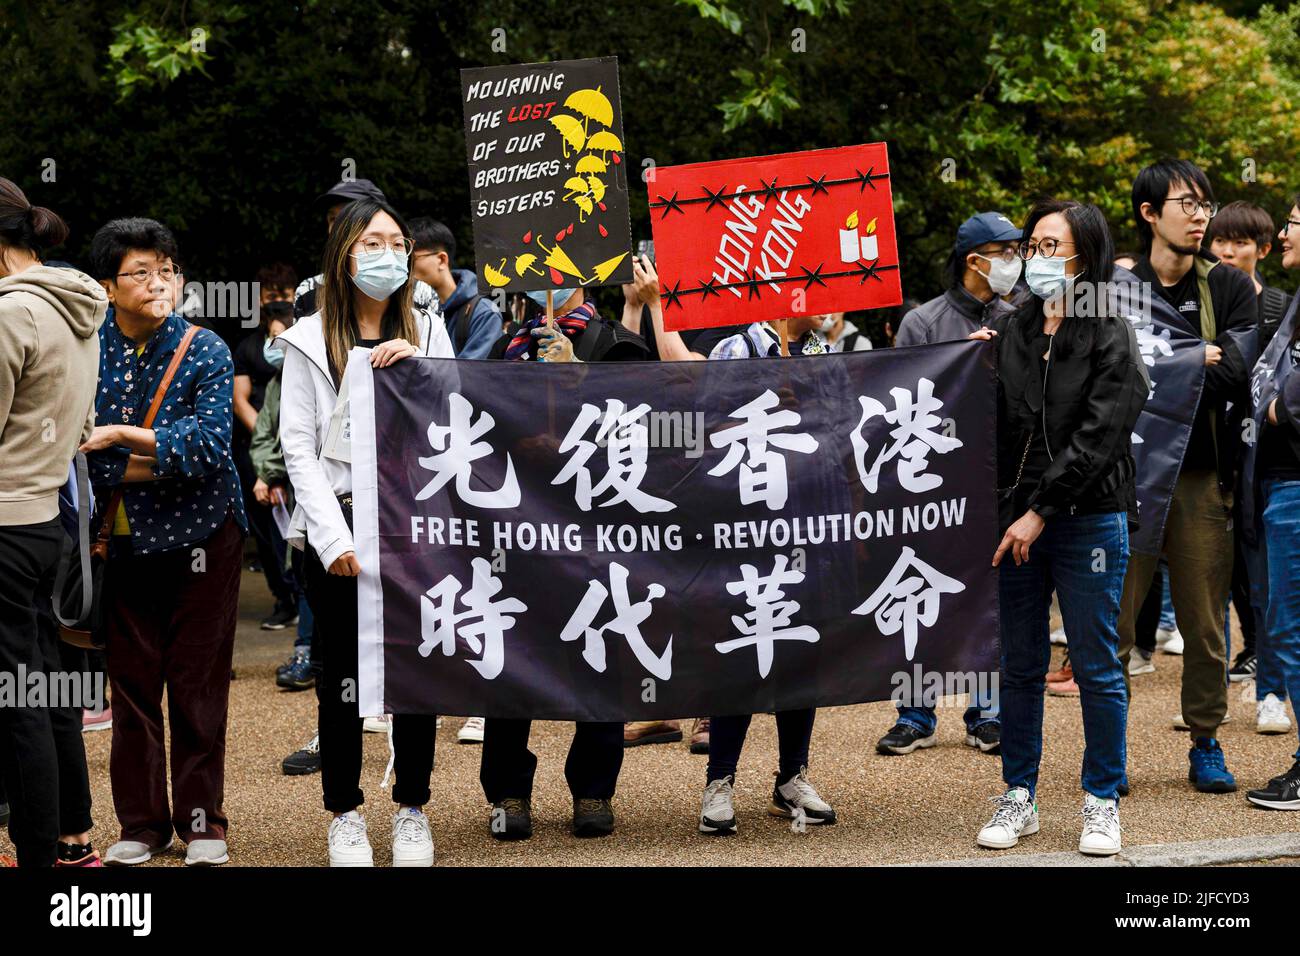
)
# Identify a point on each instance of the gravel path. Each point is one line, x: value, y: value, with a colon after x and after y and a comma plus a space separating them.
x: 927, y: 806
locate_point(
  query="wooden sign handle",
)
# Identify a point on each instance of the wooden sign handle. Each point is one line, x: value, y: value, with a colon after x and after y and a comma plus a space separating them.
x: 550, y: 309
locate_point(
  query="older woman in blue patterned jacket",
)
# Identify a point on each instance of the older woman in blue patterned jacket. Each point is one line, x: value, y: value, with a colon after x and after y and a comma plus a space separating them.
x: 170, y: 495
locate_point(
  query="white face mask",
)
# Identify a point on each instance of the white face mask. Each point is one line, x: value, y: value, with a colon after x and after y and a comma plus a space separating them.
x: 828, y: 323
x: 1002, y: 275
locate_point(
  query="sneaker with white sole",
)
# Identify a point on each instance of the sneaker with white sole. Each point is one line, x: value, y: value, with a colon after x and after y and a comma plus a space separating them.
x: 1100, y: 827
x: 1169, y: 640
x: 133, y: 852
x: 412, y: 840
x: 1140, y: 662
x: 1016, y: 815
x: 206, y: 853
x: 1270, y: 716
x: 471, y: 732
x: 718, y: 808
x: 1058, y: 636
x: 349, y: 844
x: 377, y: 725
x: 797, y: 796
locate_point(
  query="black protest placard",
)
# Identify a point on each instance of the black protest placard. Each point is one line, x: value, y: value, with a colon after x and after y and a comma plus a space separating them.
x: 547, y: 175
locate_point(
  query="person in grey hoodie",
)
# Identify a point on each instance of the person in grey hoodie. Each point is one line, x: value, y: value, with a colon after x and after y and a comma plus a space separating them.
x: 473, y: 321
x: 49, y: 360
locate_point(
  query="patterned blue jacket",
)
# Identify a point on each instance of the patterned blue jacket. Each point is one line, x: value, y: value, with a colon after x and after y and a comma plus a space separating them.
x: 197, y: 484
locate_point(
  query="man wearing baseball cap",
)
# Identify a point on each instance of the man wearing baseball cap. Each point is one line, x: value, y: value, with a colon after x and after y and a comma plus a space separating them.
x: 982, y: 268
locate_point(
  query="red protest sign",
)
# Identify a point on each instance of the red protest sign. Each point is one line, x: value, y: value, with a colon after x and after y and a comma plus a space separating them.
x: 771, y: 237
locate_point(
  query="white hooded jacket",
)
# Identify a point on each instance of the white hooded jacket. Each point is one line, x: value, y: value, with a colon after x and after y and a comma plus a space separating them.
x: 307, y: 401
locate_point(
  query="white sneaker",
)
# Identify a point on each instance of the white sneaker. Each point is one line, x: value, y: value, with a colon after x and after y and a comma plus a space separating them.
x: 1270, y: 716
x: 1170, y: 641
x: 1139, y: 663
x: 798, y: 797
x: 377, y: 725
x: 412, y: 841
x: 718, y: 809
x: 471, y: 732
x: 349, y: 845
x: 1100, y: 827
x: 1016, y: 816
x: 1057, y: 636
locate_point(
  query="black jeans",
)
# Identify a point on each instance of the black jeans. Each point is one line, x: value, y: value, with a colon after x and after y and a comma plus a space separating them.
x: 333, y: 600
x: 595, y: 758
x: 29, y: 761
x: 727, y: 738
x: 1148, y: 618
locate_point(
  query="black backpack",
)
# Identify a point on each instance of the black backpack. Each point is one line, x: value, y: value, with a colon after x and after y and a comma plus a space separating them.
x: 461, y: 320
x: 1272, y: 308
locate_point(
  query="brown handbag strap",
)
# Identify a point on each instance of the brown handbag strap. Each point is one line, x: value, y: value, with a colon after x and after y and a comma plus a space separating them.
x: 100, y: 546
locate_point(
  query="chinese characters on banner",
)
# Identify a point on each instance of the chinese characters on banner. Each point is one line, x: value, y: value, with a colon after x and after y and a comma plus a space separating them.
x: 547, y: 177
x: 773, y: 237
x: 629, y: 541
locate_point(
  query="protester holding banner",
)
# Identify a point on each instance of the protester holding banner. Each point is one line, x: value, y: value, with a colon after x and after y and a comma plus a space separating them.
x: 48, y: 358
x: 366, y: 302
x: 984, y: 265
x: 1173, y: 205
x: 1071, y: 386
x: 161, y: 465
x: 1271, y: 492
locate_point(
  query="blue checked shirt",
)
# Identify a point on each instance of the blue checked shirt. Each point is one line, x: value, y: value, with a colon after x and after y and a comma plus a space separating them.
x: 197, y: 484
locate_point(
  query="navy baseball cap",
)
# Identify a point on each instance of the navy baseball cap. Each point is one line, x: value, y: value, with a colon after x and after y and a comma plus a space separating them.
x: 350, y: 190
x: 985, y: 227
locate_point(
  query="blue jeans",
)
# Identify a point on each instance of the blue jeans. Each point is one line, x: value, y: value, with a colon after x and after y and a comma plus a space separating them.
x: 1083, y: 559
x: 983, y: 709
x: 1282, y: 538
x: 1268, y: 669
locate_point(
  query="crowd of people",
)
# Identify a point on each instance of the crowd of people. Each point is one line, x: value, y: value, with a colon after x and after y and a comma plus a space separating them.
x: 196, y: 434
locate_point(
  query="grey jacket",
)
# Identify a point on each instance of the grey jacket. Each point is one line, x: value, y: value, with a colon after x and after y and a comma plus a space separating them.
x: 948, y: 317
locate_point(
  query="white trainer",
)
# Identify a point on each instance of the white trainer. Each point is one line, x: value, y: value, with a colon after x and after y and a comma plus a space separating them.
x: 1016, y: 816
x: 1100, y: 827
x: 471, y: 732
x: 349, y: 845
x: 796, y: 797
x: 1140, y: 663
x: 1270, y: 716
x: 1170, y: 640
x: 412, y: 841
x: 1058, y: 636
x: 718, y: 808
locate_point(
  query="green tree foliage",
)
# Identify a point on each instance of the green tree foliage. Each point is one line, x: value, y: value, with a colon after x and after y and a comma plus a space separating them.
x: 984, y: 106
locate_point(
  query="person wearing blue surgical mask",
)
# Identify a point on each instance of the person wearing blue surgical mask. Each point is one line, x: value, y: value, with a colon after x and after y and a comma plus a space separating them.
x: 1071, y: 384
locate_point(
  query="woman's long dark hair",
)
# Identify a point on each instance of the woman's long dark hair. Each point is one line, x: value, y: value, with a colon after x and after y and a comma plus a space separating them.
x: 1096, y: 251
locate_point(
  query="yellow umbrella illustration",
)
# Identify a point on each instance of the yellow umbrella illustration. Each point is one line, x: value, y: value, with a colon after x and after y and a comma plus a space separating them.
x: 597, y: 188
x: 604, y: 142
x: 590, y: 164
x: 606, y: 269
x: 586, y: 205
x: 593, y: 105
x: 558, y: 259
x: 524, y: 263
x: 497, y: 276
x: 572, y: 131
x: 573, y: 185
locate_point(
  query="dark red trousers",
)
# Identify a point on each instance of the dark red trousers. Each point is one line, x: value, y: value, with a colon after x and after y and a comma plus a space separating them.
x: 171, y: 625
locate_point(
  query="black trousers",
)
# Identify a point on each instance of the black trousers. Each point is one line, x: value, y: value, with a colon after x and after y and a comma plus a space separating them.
x: 333, y: 601
x: 29, y: 762
x: 270, y: 547
x: 595, y: 758
x: 1148, y: 619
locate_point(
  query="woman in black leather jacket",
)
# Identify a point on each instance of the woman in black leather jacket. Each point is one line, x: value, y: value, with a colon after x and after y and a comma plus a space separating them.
x: 1071, y: 384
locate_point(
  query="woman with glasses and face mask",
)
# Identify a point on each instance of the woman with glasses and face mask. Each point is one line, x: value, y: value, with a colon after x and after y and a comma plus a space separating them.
x: 366, y: 301
x: 1071, y: 384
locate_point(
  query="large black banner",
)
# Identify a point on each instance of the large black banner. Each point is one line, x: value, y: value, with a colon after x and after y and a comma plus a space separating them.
x: 638, y: 540
x: 547, y: 178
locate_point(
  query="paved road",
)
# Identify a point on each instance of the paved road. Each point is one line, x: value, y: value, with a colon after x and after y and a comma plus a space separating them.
x: 924, y: 807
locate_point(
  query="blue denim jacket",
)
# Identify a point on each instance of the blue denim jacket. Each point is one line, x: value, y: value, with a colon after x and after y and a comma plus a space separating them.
x: 197, y: 484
